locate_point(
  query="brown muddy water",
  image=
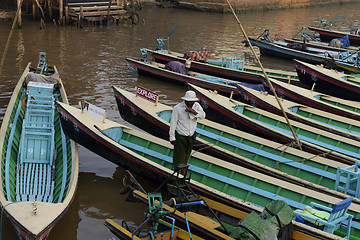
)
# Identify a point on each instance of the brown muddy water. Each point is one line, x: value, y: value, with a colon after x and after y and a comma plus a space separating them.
x: 92, y: 59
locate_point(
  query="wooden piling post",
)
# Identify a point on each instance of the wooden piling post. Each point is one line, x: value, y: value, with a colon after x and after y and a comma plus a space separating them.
x: 19, y: 21
x: 125, y: 4
x: 34, y: 10
x: 66, y: 15
x: 49, y: 8
x: 61, y: 11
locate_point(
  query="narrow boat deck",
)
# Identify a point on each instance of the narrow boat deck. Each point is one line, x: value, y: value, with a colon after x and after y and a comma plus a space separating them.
x: 237, y: 181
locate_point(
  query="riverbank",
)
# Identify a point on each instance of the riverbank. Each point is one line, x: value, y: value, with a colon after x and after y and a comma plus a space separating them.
x: 242, y: 6
x: 221, y: 6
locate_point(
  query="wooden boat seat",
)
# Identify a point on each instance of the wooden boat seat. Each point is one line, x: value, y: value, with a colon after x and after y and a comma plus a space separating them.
x: 337, y: 216
x: 37, y: 137
x: 352, y: 175
x: 233, y: 63
x: 42, y: 64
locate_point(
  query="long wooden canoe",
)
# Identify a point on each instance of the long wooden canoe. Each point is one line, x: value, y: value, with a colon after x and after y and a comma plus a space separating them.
x: 349, y: 67
x: 39, y: 164
x: 233, y: 145
x: 166, y: 232
x: 186, y: 223
x: 319, y: 45
x: 319, y: 119
x: 213, y: 178
x: 281, y: 51
x: 213, y: 220
x: 245, y: 73
x: 331, y: 104
x: 329, y: 81
x: 326, y: 35
x: 274, y: 127
x: 158, y: 70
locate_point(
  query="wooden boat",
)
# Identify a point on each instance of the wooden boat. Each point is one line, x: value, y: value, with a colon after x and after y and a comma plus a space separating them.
x: 274, y: 127
x: 39, y: 164
x: 283, y: 51
x: 213, y: 178
x: 166, y: 232
x: 172, y: 224
x: 230, y: 217
x: 320, y: 119
x: 326, y: 35
x: 232, y: 145
x: 319, y: 45
x: 331, y: 104
x: 158, y: 70
x: 198, y: 217
x: 350, y: 67
x: 225, y: 68
x: 332, y: 82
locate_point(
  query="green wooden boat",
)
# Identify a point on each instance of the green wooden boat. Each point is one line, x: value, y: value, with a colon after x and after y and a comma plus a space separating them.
x: 318, y: 118
x: 151, y: 158
x: 233, y: 145
x: 39, y: 164
x: 339, y: 106
x: 270, y: 125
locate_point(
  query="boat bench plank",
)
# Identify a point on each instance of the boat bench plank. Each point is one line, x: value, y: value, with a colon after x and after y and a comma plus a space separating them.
x: 203, y: 219
x: 34, y: 181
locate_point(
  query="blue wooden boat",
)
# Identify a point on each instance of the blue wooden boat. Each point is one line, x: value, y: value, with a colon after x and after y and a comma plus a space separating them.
x: 233, y: 145
x: 213, y: 178
x: 39, y: 164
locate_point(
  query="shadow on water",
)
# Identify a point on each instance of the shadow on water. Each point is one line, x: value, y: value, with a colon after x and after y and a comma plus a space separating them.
x: 92, y: 59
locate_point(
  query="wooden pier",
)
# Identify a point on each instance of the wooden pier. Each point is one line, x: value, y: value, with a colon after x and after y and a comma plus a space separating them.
x: 101, y: 12
x: 81, y: 12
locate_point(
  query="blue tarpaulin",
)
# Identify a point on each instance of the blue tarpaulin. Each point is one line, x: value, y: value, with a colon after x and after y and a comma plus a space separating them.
x: 344, y: 40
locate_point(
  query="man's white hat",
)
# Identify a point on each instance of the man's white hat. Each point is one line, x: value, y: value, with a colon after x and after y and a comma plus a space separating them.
x: 190, y: 96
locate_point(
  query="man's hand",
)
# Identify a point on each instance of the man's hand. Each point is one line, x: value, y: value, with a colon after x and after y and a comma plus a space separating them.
x: 190, y: 110
x: 173, y: 142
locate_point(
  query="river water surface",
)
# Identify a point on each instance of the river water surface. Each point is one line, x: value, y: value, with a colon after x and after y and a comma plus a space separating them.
x: 92, y: 59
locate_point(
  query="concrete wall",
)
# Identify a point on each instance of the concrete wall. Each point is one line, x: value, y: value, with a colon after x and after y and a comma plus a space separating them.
x: 252, y: 5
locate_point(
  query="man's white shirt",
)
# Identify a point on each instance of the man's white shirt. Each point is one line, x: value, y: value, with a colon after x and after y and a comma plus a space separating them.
x: 184, y: 122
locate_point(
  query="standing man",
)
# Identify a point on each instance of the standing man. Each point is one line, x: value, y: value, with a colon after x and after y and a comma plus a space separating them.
x: 183, y: 125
